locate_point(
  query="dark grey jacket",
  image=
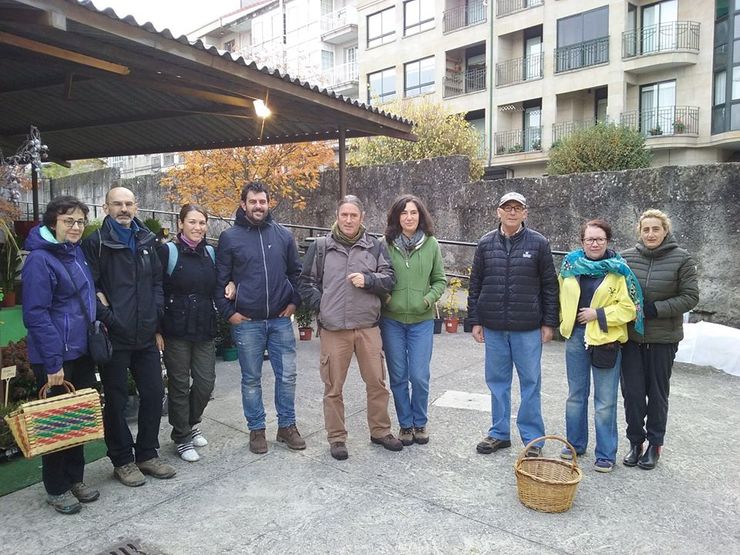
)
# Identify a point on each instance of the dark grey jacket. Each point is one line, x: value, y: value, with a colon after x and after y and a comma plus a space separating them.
x: 668, y: 277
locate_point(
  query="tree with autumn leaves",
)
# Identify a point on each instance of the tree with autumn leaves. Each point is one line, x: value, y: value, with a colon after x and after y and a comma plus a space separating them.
x: 214, y: 178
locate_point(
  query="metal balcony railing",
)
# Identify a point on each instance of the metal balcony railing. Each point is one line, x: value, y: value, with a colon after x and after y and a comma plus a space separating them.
x: 342, y: 73
x: 518, y: 140
x: 671, y: 120
x: 666, y: 37
x: 471, y: 80
x: 464, y: 15
x: 338, y: 19
x: 581, y: 55
x: 563, y: 129
x: 506, y: 7
x: 519, y: 70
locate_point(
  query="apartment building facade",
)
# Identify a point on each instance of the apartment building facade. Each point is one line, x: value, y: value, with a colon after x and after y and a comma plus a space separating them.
x: 530, y: 72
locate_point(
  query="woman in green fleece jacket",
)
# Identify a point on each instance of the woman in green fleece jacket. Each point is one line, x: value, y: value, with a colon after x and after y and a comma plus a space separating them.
x: 407, y: 322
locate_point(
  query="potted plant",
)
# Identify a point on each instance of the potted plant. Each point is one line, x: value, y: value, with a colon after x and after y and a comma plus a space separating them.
x: 515, y: 148
x: 679, y: 126
x: 10, y: 262
x: 304, y: 319
x: 450, y: 305
x: 656, y: 130
x: 224, y: 342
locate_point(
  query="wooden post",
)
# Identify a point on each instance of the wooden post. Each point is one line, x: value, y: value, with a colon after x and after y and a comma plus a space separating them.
x: 342, y: 162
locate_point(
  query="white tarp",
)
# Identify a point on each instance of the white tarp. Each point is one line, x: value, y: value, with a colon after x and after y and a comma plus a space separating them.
x: 709, y: 344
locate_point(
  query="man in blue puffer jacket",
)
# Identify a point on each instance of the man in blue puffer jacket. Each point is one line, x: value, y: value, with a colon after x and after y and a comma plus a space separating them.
x: 260, y: 257
x: 513, y: 303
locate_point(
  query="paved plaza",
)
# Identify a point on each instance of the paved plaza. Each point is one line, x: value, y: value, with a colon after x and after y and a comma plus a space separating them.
x: 438, y: 498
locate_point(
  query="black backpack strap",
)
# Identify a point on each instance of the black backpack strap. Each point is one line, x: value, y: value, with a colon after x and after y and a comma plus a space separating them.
x: 320, y: 255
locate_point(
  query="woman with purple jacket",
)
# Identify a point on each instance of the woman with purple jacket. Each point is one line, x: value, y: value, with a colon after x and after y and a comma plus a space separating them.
x: 55, y: 277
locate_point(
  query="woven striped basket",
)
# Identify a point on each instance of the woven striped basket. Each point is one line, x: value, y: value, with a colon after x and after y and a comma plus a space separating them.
x: 56, y: 423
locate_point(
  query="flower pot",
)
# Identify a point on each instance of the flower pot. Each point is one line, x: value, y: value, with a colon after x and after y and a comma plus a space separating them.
x: 438, y: 325
x: 467, y: 325
x: 304, y: 334
x: 230, y: 353
x: 451, y: 324
x: 8, y: 299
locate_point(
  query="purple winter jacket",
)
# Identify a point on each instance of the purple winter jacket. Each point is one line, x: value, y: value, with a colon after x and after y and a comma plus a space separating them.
x: 57, y: 328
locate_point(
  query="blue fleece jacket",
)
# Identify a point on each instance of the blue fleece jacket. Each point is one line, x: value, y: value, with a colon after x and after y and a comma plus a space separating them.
x: 57, y: 327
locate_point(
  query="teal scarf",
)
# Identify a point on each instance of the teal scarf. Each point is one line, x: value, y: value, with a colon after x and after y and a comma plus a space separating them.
x: 576, y: 263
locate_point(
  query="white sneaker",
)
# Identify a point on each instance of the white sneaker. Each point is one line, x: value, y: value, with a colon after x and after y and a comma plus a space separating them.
x: 198, y: 438
x: 187, y: 452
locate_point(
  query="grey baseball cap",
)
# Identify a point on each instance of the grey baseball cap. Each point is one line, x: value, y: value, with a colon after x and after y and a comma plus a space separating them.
x: 512, y: 196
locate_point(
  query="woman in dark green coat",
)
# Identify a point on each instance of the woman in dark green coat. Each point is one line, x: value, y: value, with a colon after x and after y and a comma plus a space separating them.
x: 668, y: 277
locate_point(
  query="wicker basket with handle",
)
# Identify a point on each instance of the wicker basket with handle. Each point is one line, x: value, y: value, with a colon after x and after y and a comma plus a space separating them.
x: 545, y: 484
x: 56, y: 423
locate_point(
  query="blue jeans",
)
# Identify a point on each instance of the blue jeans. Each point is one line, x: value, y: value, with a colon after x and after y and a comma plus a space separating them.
x: 252, y: 337
x: 504, y: 349
x: 408, y: 352
x: 606, y: 384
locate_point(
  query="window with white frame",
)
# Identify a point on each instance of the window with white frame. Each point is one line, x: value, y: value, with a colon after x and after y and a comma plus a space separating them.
x: 381, y: 27
x: 419, y: 77
x: 418, y: 16
x: 381, y: 86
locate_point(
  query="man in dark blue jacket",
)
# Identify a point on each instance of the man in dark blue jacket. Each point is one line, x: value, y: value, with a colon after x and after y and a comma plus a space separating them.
x: 128, y: 282
x: 513, y: 304
x: 259, y: 256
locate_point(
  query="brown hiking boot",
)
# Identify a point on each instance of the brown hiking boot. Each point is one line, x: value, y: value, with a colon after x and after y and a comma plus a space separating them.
x: 258, y: 442
x: 291, y: 437
x: 129, y: 475
x: 389, y: 442
x: 155, y: 468
x: 339, y: 451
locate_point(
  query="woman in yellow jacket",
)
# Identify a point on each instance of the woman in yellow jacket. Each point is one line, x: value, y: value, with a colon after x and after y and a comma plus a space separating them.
x: 599, y: 295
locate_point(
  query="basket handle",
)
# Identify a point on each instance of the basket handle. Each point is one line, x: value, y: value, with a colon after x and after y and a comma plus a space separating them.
x: 45, y: 388
x: 574, y: 460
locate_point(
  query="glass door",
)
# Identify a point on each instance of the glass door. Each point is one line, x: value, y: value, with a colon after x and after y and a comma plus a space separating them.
x: 659, y: 29
x: 533, y: 58
x: 658, y: 108
x: 532, y: 128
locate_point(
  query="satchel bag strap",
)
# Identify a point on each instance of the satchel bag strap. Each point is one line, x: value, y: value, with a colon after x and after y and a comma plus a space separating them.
x: 77, y: 291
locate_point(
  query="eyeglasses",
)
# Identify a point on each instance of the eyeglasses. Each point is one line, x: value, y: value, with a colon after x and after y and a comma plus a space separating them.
x: 595, y: 241
x: 512, y: 208
x: 69, y: 223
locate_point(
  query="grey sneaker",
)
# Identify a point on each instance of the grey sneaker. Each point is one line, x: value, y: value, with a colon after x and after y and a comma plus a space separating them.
x: 406, y: 435
x: 490, y: 444
x: 129, y: 475
x: 64, y: 503
x: 156, y: 468
x: 84, y: 493
x: 421, y: 435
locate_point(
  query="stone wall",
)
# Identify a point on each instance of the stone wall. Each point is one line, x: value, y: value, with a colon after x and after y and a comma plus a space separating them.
x: 703, y: 202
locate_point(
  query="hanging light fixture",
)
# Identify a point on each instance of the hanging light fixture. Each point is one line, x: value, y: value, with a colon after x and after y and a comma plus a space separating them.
x: 261, y: 109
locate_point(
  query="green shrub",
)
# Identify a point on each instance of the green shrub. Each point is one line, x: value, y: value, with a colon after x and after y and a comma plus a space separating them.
x: 153, y: 225
x: 91, y: 227
x: 604, y: 147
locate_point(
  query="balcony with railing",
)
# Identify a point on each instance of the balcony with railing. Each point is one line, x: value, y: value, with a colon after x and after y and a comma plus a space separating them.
x: 659, y: 122
x: 515, y: 141
x: 464, y: 15
x: 342, y: 75
x: 506, y: 7
x: 519, y: 70
x: 666, y: 37
x: 583, y: 54
x: 563, y: 129
x: 339, y: 26
x: 473, y: 79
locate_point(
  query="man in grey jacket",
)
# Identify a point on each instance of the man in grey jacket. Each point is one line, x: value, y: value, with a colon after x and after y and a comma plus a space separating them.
x: 344, y: 277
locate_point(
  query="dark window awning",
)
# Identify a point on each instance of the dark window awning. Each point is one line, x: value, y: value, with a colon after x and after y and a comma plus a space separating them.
x: 98, y: 86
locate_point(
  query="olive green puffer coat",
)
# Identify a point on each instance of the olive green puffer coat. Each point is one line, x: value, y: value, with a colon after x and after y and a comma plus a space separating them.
x: 668, y: 277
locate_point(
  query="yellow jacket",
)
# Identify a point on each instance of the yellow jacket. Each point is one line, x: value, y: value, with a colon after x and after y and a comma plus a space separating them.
x: 611, y: 296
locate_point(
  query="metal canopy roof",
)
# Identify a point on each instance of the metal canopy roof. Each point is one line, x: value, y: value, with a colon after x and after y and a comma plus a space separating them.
x: 96, y: 85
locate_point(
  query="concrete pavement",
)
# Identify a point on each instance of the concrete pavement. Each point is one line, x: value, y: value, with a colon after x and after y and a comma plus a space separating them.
x: 438, y: 498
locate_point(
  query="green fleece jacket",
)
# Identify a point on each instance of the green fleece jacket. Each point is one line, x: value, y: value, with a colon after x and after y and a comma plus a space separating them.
x: 420, y: 282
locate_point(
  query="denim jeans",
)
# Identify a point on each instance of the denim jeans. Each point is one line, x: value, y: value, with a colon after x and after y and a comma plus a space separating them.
x: 408, y: 352
x: 252, y: 337
x: 523, y: 349
x: 606, y: 385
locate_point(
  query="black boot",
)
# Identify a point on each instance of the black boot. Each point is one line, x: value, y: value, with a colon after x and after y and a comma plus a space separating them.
x: 632, y: 457
x: 650, y: 457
